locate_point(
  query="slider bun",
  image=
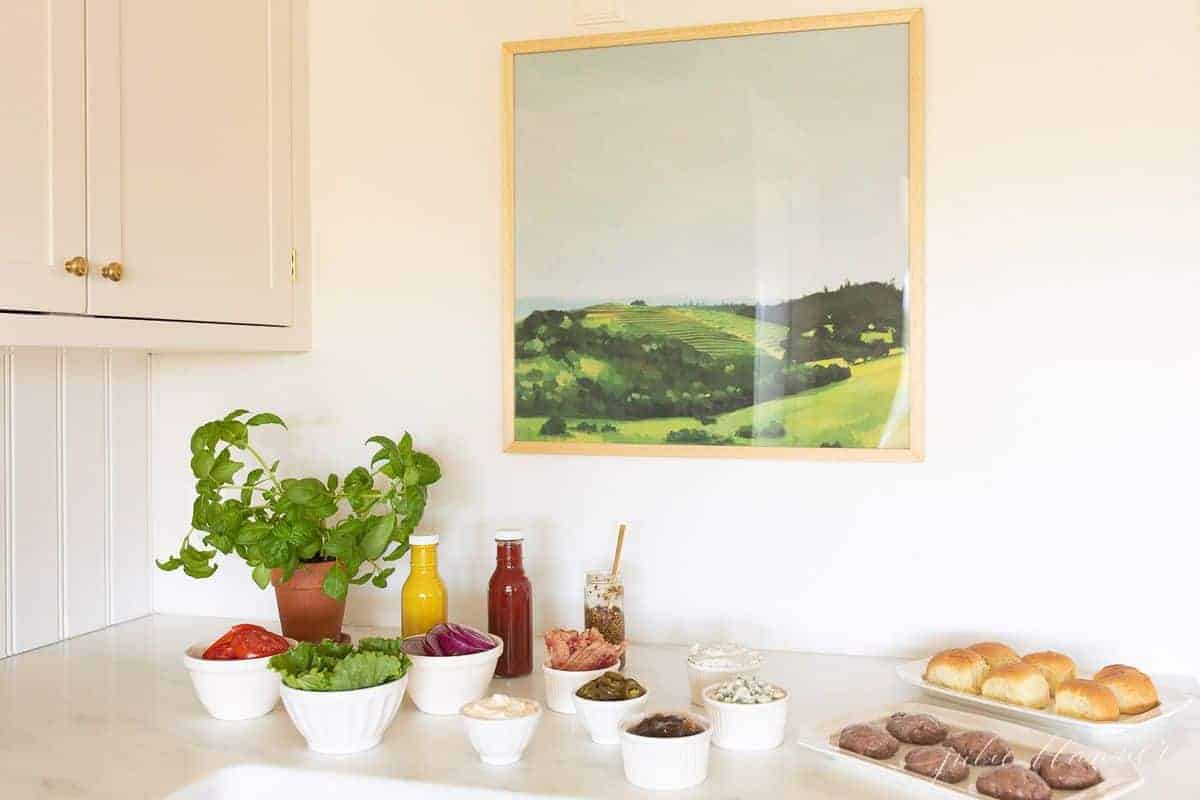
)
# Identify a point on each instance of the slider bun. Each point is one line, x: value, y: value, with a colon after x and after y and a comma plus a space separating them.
x: 995, y: 653
x: 1055, y: 666
x: 1088, y: 700
x: 1018, y: 683
x: 1134, y: 690
x: 958, y: 669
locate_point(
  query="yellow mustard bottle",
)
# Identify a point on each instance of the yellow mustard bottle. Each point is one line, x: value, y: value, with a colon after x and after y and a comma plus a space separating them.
x: 423, y: 598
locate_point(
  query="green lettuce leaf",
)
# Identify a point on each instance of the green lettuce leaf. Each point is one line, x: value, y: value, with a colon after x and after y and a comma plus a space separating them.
x: 364, y: 670
x: 331, y: 666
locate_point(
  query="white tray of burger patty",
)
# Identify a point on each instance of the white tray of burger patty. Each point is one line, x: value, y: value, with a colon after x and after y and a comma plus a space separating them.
x: 1010, y: 748
x: 1171, y: 702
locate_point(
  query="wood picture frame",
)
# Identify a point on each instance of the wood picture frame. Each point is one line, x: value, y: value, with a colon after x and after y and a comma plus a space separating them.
x: 912, y: 345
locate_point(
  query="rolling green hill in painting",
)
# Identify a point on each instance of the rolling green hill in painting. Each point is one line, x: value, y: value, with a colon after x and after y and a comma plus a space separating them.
x: 823, y: 370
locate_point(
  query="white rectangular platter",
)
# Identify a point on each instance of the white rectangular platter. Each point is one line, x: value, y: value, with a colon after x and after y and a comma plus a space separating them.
x: 1120, y: 775
x: 1171, y: 702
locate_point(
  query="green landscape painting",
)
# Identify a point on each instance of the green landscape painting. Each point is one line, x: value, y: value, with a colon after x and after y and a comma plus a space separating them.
x: 825, y: 370
x: 711, y: 246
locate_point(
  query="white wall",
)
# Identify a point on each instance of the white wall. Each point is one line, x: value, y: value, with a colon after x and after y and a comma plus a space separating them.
x: 74, y: 488
x: 1054, y: 508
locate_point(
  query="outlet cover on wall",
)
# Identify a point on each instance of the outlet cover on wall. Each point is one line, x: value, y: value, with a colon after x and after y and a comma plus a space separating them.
x: 595, y: 12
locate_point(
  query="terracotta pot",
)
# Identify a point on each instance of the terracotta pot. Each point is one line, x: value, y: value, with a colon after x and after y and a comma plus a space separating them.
x: 305, y: 612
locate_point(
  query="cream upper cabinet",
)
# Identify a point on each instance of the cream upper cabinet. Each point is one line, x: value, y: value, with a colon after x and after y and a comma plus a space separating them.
x: 161, y: 149
x: 42, y: 203
x: 189, y: 171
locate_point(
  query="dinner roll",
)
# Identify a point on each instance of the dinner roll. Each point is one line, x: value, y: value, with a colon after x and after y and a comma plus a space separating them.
x: 1134, y: 690
x: 995, y: 653
x: 1018, y: 683
x: 1055, y: 666
x: 1086, y: 700
x: 958, y: 669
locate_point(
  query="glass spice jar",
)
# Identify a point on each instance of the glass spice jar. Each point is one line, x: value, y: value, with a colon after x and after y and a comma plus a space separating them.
x: 604, y: 606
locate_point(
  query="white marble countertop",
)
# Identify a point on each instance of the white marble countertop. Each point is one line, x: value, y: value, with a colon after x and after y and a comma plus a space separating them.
x: 112, y: 715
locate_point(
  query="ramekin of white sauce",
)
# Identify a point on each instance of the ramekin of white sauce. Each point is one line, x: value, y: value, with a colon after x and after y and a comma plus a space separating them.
x: 500, y: 727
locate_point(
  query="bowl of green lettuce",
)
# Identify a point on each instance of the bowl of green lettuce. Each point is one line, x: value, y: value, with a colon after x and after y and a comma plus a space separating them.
x: 342, y: 698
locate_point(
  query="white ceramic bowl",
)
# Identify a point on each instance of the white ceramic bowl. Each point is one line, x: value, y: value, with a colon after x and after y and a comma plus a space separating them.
x: 602, y: 718
x: 561, y: 685
x: 344, y: 722
x: 746, y: 726
x: 700, y: 679
x: 444, y: 684
x: 238, y: 689
x: 665, y: 763
x: 502, y: 741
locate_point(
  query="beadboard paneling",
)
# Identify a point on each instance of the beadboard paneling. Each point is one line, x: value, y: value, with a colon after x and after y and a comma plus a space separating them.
x: 36, y: 558
x: 129, y: 386
x: 85, y: 489
x: 74, y: 551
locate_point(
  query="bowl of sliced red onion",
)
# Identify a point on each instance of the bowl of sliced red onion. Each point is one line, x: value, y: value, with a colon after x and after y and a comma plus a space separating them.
x: 452, y: 665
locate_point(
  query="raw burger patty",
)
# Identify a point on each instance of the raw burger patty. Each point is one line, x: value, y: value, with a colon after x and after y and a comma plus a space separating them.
x: 1013, y: 783
x: 1066, y: 771
x: 937, y: 762
x: 868, y: 741
x: 981, y: 749
x: 916, y: 728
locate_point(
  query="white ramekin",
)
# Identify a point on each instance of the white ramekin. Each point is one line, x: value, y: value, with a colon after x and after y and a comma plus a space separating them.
x: 601, y: 718
x: 746, y: 726
x: 344, y: 722
x: 665, y: 763
x: 502, y: 741
x: 700, y: 679
x: 444, y: 684
x: 562, y: 683
x: 237, y: 689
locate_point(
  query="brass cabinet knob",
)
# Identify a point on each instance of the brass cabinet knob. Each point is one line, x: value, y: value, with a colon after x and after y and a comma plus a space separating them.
x: 77, y: 266
x: 113, y: 271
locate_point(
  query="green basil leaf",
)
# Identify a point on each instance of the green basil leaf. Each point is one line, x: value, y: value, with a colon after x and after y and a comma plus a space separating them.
x: 397, y: 552
x: 406, y: 444
x: 202, y: 464
x: 276, y: 551
x: 331, y: 483
x: 235, y: 414
x: 224, y: 472
x: 234, y: 432
x: 428, y: 469
x: 199, y: 570
x: 262, y: 575
x: 379, y: 533
x: 336, y: 582
x: 383, y: 442
x: 265, y: 419
x: 252, y: 532
x: 170, y: 564
x: 381, y: 577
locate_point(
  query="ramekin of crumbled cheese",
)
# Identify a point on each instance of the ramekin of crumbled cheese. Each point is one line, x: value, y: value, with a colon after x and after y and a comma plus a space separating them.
x: 746, y: 689
x: 716, y: 663
x: 747, y: 713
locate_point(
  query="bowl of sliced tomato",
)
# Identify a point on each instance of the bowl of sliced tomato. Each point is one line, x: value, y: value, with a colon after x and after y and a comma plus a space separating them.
x: 231, y: 676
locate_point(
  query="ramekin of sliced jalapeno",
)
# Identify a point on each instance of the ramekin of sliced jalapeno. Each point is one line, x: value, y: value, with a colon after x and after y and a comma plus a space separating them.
x: 611, y: 686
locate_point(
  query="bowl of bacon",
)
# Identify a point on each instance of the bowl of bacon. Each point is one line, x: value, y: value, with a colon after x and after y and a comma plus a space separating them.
x: 572, y: 659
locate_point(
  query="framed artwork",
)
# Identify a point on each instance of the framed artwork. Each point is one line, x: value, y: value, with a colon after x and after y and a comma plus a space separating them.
x: 713, y: 240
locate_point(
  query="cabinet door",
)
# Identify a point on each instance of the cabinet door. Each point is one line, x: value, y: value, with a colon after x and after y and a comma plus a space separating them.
x: 189, y: 166
x: 41, y: 155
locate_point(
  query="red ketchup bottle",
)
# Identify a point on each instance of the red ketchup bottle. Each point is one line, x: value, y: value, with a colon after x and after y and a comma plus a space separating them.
x: 510, y: 606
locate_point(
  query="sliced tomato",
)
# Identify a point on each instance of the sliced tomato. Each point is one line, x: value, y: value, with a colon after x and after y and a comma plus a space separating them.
x: 246, y: 641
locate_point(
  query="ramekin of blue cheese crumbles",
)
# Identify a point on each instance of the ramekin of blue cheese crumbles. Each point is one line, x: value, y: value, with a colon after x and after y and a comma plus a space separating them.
x: 747, y: 690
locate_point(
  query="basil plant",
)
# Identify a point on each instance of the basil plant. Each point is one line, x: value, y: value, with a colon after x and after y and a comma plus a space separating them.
x: 280, y: 523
